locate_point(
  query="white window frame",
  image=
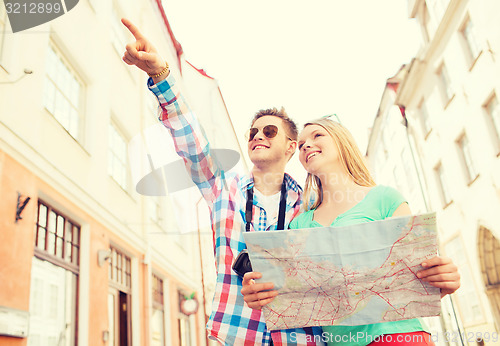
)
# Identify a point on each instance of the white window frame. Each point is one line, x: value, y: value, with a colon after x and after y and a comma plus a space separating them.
x: 3, y: 16
x: 5, y: 40
x: 122, y: 177
x: 157, y: 306
x: 118, y: 34
x: 470, y: 170
x: 3, y: 31
x: 444, y: 191
x: 469, y: 38
x: 65, y: 235
x: 70, y: 95
x: 185, y: 327
x: 467, y: 294
x: 445, y: 84
x: 409, y: 168
x: 155, y: 209
x: 423, y: 114
x: 492, y: 109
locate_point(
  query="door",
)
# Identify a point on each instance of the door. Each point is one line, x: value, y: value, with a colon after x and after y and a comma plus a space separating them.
x: 52, y: 305
x: 118, y: 318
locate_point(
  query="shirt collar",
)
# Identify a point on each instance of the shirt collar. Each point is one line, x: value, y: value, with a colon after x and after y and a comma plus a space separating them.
x: 291, y: 185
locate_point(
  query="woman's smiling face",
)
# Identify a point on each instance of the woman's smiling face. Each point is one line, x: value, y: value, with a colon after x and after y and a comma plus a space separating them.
x: 317, y: 149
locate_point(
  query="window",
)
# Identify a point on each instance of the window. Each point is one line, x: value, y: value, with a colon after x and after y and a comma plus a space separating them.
x: 57, y: 237
x: 379, y: 162
x: 386, y: 140
x: 399, y: 178
x: 468, y: 300
x: 184, y: 326
x: 445, y: 85
x: 409, y: 168
x: 119, y: 301
x: 9, y: 48
x: 3, y: 31
x: 465, y: 154
x: 424, y: 118
x: 54, y: 279
x: 3, y: 16
x: 493, y: 111
x: 442, y: 184
x: 469, y: 37
x: 157, y: 290
x: 157, y: 322
x: 117, y: 160
x: 119, y: 269
x: 118, y: 38
x: 155, y: 210
x: 62, y: 93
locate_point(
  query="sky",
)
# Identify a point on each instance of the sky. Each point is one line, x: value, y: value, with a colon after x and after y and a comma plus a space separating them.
x: 313, y: 58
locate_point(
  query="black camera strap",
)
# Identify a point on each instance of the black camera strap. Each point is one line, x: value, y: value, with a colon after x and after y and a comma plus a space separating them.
x: 281, y: 215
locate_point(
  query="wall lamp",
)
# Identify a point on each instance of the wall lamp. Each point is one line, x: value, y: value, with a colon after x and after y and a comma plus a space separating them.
x: 21, y: 204
x: 27, y: 71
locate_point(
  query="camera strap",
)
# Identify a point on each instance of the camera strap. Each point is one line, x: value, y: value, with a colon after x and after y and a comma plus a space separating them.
x: 281, y: 215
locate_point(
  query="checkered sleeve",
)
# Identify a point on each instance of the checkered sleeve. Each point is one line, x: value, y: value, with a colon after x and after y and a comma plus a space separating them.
x: 189, y: 138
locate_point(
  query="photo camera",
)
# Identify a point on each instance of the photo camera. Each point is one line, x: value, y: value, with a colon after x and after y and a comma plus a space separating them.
x: 242, y: 263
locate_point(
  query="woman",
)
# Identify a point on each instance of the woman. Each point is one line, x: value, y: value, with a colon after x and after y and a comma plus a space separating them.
x: 340, y: 191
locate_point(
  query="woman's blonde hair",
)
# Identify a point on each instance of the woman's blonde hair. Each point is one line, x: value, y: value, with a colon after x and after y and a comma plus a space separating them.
x: 350, y: 158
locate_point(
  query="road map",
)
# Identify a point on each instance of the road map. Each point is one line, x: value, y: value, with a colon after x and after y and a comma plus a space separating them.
x: 351, y: 275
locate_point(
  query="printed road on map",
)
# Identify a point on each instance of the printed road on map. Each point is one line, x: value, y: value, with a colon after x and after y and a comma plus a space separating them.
x: 351, y: 275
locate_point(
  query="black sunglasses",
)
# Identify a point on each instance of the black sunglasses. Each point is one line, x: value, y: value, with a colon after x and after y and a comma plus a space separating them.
x: 270, y: 131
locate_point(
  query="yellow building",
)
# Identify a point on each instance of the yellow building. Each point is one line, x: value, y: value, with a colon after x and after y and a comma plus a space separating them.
x: 91, y: 261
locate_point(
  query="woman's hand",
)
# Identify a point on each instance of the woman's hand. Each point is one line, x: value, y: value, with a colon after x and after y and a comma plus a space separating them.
x: 256, y: 295
x: 440, y: 272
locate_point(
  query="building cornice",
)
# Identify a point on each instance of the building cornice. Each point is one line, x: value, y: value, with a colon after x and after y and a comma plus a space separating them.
x: 429, y: 53
x: 442, y: 30
x: 413, y: 6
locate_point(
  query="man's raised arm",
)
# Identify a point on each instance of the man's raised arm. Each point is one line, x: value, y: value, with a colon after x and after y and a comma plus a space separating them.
x: 189, y: 138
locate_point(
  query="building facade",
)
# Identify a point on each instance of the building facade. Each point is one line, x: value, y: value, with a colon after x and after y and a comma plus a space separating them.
x: 444, y: 149
x: 85, y: 259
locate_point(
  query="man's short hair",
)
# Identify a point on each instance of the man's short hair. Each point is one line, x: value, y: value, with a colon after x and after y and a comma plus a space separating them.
x: 290, y: 126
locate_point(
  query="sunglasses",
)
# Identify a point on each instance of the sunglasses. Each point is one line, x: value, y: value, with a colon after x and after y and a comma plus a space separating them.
x: 330, y: 116
x: 270, y: 131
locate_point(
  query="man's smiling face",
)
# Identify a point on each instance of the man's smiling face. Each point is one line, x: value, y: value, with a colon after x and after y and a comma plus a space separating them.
x: 263, y: 149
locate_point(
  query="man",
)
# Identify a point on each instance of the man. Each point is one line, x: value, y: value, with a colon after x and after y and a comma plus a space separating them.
x: 272, y: 142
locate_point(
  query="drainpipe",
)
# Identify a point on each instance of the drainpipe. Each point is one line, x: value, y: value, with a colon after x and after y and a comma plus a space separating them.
x: 405, y: 123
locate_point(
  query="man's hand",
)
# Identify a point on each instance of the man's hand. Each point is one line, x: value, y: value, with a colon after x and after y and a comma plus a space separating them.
x: 142, y: 53
x: 257, y: 295
x: 441, y: 272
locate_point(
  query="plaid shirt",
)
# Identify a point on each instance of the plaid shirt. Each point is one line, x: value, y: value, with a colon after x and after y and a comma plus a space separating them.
x: 231, y: 322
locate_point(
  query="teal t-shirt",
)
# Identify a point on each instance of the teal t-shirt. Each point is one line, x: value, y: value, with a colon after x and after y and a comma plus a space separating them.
x: 378, y: 204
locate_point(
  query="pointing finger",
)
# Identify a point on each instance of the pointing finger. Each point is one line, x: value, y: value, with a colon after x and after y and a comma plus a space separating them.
x: 132, y: 51
x: 132, y: 28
